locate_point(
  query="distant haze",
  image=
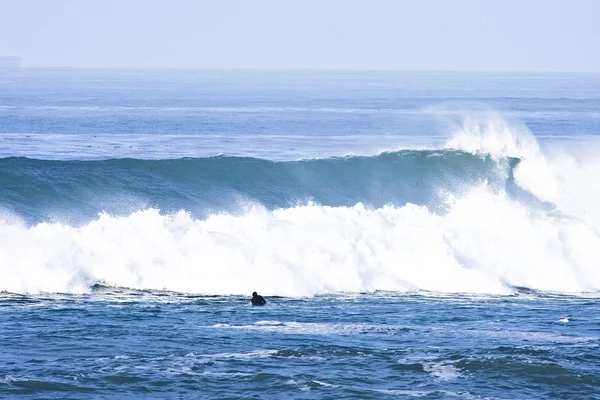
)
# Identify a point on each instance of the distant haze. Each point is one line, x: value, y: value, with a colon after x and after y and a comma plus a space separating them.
x: 461, y: 35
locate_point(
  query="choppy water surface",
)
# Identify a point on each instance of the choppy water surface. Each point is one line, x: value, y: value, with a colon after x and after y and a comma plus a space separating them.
x: 155, y: 344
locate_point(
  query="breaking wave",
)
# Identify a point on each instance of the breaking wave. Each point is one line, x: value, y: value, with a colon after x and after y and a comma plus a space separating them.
x: 487, y: 213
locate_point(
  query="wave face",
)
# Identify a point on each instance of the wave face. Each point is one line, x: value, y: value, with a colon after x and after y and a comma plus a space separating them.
x: 42, y: 190
x: 489, y: 213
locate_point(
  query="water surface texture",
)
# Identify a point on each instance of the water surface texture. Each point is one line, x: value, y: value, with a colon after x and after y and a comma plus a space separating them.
x: 426, y: 235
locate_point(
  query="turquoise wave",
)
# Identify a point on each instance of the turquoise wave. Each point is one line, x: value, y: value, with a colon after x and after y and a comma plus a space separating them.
x: 39, y: 190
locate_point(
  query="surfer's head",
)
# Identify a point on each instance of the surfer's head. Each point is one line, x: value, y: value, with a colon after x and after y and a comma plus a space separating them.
x: 254, y: 294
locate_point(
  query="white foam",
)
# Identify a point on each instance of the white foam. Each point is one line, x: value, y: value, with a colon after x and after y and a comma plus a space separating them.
x: 442, y: 371
x: 485, y: 243
x: 310, y: 328
x: 324, y: 384
x: 249, y: 354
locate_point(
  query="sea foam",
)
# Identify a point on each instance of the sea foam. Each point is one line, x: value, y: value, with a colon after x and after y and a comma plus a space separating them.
x: 484, y: 244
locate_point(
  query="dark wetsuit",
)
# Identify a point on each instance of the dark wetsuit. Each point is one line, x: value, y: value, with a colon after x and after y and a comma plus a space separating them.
x: 258, y: 300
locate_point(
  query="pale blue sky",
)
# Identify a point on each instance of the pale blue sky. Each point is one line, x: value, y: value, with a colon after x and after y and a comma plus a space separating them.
x: 468, y: 35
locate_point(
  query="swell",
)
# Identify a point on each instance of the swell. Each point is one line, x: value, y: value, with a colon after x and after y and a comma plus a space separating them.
x: 39, y: 190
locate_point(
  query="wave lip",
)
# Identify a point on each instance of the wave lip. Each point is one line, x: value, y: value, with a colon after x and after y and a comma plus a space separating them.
x: 564, y: 178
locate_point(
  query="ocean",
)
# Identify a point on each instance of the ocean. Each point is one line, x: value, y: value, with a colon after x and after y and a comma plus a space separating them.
x: 415, y: 234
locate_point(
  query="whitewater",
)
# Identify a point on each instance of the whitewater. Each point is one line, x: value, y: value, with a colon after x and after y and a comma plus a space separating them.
x: 482, y: 235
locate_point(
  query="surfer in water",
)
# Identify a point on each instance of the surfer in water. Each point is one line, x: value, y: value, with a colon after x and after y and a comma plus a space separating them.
x: 258, y: 300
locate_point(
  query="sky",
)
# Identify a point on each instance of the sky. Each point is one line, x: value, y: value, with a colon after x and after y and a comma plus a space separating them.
x: 429, y: 35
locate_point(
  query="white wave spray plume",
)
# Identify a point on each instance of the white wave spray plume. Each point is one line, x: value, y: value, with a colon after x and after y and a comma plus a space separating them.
x: 565, y: 179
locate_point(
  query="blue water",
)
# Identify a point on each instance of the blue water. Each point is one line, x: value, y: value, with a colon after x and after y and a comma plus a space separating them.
x: 115, y: 343
x: 430, y: 235
x: 42, y: 189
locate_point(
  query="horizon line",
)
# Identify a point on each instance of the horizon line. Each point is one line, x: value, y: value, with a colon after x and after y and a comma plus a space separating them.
x: 301, y: 69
